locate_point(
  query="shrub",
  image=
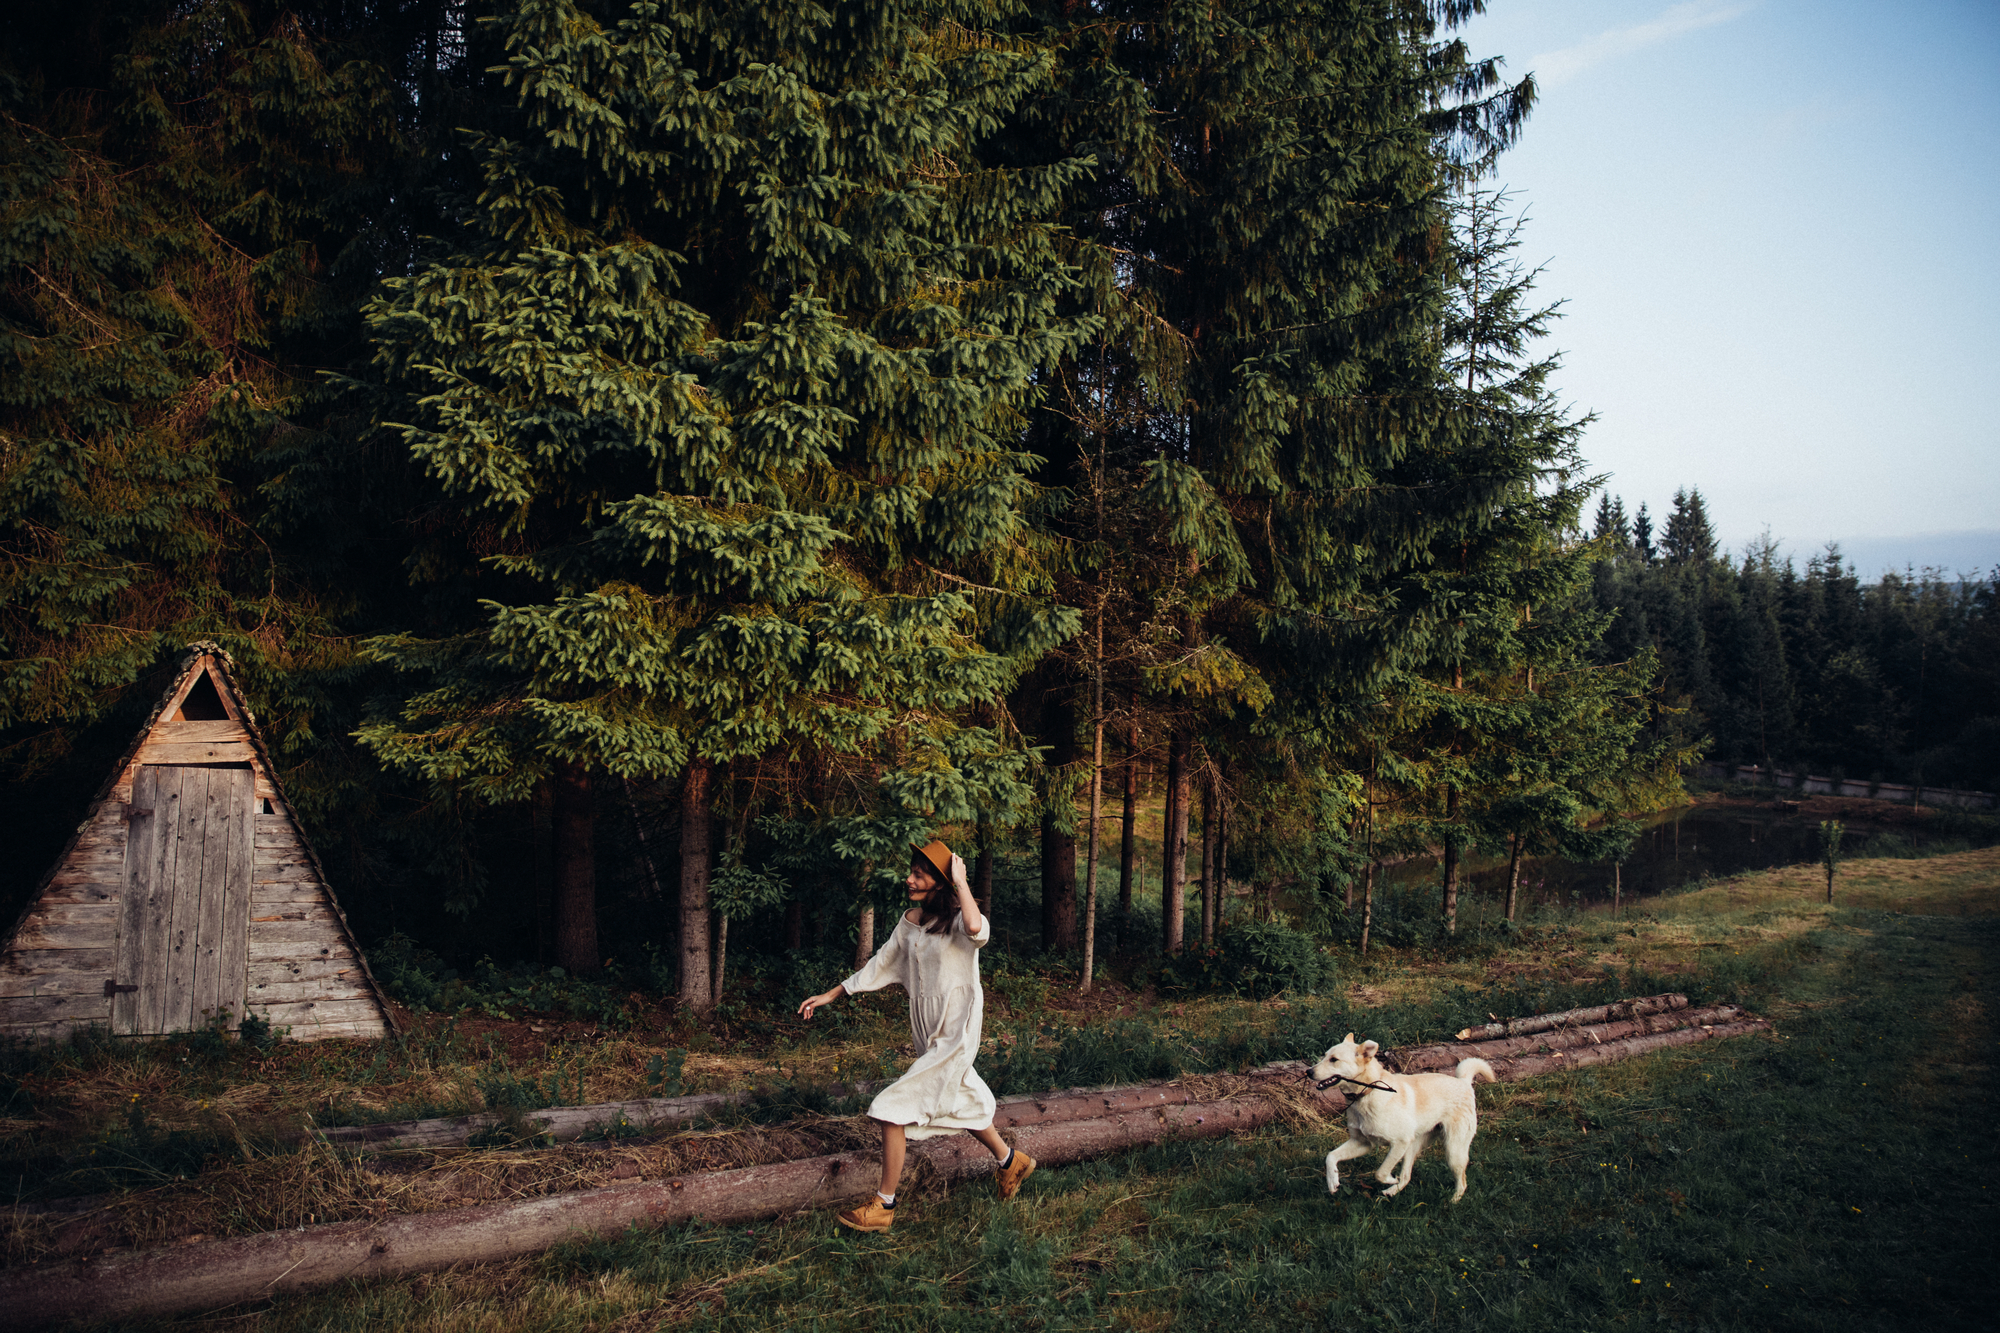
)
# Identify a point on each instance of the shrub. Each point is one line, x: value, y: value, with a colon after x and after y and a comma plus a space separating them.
x: 1254, y: 958
x: 420, y: 979
x: 1263, y: 958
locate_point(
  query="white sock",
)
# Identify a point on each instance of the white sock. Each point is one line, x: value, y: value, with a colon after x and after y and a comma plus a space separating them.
x: 888, y: 1200
x: 1008, y: 1160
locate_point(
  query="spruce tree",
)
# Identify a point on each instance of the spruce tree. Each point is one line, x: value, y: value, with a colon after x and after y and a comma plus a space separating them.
x: 720, y: 375
x: 1689, y: 540
x: 1264, y: 246
x: 183, y: 183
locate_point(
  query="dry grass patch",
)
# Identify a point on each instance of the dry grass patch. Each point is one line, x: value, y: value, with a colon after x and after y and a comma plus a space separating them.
x: 1958, y: 884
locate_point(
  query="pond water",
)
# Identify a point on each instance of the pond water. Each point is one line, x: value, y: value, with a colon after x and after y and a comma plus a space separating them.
x: 1674, y: 848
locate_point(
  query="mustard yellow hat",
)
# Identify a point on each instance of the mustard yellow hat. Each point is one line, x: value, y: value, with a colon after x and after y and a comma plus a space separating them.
x: 937, y: 856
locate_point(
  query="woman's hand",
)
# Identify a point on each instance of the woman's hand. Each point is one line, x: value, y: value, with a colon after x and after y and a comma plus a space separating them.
x: 813, y: 1002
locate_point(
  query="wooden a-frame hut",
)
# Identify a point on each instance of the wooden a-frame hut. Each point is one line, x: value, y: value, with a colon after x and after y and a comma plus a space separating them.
x: 189, y: 891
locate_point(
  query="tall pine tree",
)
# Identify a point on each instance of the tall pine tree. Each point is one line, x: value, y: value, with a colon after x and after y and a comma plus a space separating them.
x: 721, y: 378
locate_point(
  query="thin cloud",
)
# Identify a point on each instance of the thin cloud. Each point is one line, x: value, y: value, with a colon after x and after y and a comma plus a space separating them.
x: 1553, y: 67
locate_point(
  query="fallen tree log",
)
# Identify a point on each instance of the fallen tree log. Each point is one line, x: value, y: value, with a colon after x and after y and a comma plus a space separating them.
x: 1514, y: 1027
x: 568, y: 1123
x: 425, y: 1179
x: 559, y: 1123
x: 1527, y: 1066
x: 1446, y: 1055
x: 213, y: 1274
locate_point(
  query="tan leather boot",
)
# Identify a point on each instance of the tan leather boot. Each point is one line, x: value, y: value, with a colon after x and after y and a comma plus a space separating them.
x: 870, y: 1216
x: 1010, y: 1176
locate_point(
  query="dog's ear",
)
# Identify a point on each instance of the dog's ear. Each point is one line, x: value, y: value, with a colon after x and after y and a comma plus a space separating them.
x: 1368, y: 1048
x: 1347, y: 1040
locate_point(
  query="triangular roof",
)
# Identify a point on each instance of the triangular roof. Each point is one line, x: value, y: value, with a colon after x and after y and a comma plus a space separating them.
x: 206, y: 679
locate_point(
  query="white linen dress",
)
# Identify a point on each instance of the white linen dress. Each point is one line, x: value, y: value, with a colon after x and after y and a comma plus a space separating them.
x: 941, y: 1093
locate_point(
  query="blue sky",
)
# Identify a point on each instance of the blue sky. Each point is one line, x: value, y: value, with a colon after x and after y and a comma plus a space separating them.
x: 1776, y: 225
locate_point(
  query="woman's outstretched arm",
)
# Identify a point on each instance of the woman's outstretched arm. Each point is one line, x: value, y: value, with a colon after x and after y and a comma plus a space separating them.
x: 813, y: 1002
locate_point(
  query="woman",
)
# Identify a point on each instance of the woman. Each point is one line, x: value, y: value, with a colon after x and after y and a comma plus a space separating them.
x: 933, y: 953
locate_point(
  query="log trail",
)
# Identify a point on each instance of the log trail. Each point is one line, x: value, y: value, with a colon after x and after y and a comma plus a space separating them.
x: 1446, y: 1055
x: 560, y: 1124
x: 213, y: 1274
x: 1056, y: 1128
x: 1514, y: 1027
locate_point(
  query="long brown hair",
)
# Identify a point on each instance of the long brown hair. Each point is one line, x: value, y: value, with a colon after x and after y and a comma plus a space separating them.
x: 940, y: 906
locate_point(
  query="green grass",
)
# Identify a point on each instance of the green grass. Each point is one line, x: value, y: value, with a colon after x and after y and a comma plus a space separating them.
x: 1838, y: 1175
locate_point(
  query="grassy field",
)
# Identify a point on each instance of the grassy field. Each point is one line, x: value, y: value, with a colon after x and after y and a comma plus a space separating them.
x: 1838, y: 1174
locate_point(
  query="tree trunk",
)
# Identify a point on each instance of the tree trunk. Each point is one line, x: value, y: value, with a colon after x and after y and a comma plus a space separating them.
x: 575, y: 871
x: 645, y: 847
x: 982, y: 873
x: 697, y: 966
x: 864, y: 935
x: 1368, y: 875
x: 1058, y: 843
x: 1451, y: 863
x: 795, y: 924
x: 1367, y: 905
x: 1173, y: 840
x: 542, y: 827
x: 1058, y: 886
x: 1221, y: 851
x: 1208, y: 858
x: 721, y: 957
x: 1127, y: 845
x: 1096, y: 809
x: 1513, y: 875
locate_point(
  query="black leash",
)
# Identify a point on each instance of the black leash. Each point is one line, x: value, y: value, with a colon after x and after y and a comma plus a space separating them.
x: 1323, y: 1084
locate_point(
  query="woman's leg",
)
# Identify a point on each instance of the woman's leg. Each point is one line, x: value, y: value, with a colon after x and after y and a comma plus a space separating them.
x: 991, y: 1138
x: 892, y: 1157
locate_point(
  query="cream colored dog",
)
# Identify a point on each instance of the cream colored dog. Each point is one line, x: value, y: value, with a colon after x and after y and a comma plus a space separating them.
x: 1402, y: 1114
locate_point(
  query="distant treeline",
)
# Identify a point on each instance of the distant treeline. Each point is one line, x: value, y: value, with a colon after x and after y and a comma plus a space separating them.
x: 1774, y: 664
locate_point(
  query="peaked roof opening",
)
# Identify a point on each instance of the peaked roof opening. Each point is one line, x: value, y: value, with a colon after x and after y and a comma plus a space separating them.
x: 203, y: 703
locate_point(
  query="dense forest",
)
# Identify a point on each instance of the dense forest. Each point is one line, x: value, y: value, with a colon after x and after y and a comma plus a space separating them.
x: 1896, y: 681
x: 650, y: 462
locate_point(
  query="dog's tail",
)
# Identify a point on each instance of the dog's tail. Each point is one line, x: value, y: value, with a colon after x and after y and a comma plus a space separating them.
x: 1472, y: 1065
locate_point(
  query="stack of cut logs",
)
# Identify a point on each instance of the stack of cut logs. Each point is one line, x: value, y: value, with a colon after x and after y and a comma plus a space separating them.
x: 1524, y: 1047
x: 1055, y: 1128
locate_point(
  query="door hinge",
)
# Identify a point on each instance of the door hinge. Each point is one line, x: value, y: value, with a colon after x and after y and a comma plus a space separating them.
x: 112, y: 988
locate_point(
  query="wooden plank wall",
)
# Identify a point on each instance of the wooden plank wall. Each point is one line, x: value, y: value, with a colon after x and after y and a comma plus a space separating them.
x: 301, y: 972
x: 52, y: 978
x: 195, y: 743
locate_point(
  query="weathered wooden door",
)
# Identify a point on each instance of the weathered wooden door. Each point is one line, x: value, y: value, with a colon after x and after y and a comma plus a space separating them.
x: 184, y: 919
